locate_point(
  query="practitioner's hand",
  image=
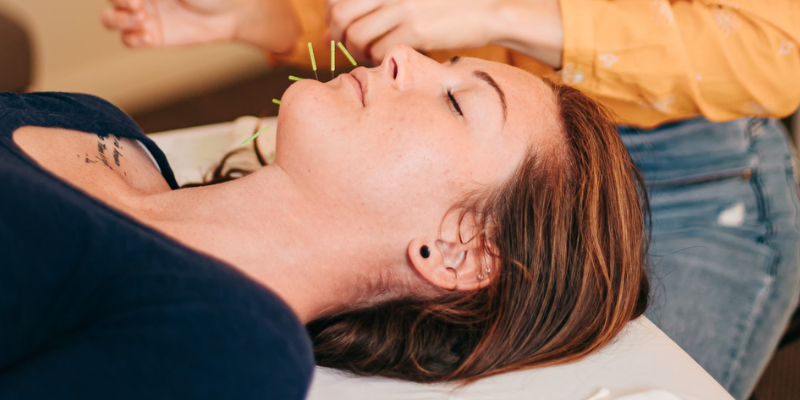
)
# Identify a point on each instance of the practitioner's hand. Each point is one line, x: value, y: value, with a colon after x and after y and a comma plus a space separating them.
x: 157, y: 23
x: 154, y: 23
x: 369, y: 28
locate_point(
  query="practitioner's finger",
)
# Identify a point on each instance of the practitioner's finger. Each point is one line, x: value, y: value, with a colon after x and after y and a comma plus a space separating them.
x: 340, y: 14
x: 380, y: 47
x: 362, y: 33
x: 328, y: 5
x: 132, y: 5
x: 138, y: 39
x: 118, y: 19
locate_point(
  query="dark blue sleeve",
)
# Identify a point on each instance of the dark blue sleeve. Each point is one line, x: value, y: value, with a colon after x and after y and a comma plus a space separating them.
x: 175, y: 355
x: 153, y: 328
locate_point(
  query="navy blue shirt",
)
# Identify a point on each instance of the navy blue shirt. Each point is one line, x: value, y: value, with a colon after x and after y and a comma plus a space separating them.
x: 95, y: 305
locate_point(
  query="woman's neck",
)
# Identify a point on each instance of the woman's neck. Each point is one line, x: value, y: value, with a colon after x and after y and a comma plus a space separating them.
x: 263, y: 226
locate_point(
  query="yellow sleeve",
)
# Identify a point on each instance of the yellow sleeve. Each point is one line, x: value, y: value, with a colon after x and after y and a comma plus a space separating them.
x: 653, y: 61
x: 311, y: 14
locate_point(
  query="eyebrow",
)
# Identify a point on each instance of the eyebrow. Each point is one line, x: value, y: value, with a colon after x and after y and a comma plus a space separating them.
x: 484, y: 76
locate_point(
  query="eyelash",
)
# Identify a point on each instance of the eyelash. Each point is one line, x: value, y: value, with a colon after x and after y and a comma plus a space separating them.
x: 454, y: 102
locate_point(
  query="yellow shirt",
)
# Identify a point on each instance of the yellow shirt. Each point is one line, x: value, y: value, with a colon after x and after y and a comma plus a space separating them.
x: 651, y: 61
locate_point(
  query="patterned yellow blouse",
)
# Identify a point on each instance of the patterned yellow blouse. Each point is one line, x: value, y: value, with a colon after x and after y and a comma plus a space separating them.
x: 653, y: 61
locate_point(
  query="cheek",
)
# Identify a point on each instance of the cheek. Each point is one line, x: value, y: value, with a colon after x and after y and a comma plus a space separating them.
x: 308, y: 108
x: 381, y: 159
x: 404, y: 164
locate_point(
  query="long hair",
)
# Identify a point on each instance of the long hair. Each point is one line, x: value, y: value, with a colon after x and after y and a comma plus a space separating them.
x: 568, y: 232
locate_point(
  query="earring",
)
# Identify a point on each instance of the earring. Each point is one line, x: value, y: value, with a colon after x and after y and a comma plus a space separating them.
x: 455, y: 272
x: 484, y: 273
x: 425, y: 251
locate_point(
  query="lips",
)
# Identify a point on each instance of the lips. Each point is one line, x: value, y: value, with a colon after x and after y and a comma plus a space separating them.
x: 359, y: 81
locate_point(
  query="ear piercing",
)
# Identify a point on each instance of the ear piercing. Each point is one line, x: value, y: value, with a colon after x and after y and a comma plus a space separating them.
x: 425, y: 251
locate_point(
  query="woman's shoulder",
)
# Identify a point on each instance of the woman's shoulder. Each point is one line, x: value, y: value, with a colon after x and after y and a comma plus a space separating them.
x: 76, y: 112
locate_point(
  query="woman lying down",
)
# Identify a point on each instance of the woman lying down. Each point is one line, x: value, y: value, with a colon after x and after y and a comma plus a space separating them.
x: 421, y: 221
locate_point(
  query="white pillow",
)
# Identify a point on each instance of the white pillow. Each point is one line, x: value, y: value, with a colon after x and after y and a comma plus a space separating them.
x: 642, y: 360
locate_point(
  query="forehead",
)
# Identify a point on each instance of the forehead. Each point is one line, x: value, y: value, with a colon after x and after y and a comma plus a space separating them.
x: 532, y: 107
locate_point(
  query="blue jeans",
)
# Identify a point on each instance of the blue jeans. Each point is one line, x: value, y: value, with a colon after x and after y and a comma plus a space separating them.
x: 725, y: 250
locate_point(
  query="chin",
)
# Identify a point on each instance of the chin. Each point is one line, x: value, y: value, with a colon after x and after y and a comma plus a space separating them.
x: 309, y: 104
x: 308, y: 118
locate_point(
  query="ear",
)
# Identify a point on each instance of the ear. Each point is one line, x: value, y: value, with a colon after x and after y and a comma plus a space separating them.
x: 447, y: 259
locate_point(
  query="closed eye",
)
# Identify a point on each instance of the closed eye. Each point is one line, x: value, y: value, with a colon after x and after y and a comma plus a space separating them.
x: 454, y: 103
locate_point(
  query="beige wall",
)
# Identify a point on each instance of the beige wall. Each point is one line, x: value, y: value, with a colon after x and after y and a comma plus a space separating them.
x: 74, y: 52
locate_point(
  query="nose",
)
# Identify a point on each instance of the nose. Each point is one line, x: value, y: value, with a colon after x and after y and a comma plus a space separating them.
x: 400, y: 65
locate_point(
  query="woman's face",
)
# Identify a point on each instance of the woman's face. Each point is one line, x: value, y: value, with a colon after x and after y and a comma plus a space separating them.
x: 391, y: 140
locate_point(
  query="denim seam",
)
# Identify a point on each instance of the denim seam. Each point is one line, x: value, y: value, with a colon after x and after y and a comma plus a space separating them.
x: 758, y: 305
x: 762, y: 201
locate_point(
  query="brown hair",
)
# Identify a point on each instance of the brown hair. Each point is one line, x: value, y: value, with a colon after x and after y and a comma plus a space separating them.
x: 568, y: 231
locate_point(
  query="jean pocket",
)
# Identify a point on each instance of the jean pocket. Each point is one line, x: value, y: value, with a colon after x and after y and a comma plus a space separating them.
x: 671, y: 173
x: 729, y: 203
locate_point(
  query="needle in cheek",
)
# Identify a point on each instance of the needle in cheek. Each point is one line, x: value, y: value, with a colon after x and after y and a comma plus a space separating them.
x: 314, y: 67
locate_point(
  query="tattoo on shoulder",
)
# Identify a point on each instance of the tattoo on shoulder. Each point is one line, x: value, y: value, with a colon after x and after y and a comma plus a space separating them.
x: 101, y: 150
